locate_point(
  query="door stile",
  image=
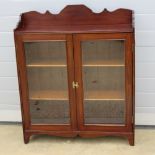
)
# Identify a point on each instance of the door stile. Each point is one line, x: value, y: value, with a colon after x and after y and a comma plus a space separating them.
x: 129, y: 80
x: 23, y: 87
x: 71, y: 78
x: 78, y: 79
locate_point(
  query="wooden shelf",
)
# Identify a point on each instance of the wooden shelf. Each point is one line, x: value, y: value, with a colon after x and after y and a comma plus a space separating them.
x: 49, y: 95
x: 104, y: 95
x: 88, y: 63
x: 103, y: 63
x: 47, y: 63
x: 89, y: 95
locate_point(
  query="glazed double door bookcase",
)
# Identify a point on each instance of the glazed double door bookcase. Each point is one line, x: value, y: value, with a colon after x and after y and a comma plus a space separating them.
x: 76, y: 84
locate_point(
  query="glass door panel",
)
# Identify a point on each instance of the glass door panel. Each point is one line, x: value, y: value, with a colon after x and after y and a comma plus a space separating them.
x: 103, y: 64
x: 47, y: 82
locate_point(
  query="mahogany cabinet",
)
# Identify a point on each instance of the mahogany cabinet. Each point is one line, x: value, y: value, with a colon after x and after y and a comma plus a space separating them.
x: 76, y: 73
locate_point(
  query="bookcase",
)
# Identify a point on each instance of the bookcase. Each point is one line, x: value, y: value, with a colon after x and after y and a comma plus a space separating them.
x: 76, y: 73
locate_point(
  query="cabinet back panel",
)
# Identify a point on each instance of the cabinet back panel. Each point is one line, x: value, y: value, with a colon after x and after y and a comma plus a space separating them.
x: 103, y: 73
x: 47, y: 78
x: 44, y: 112
x: 102, y: 78
x: 45, y: 51
x: 47, y: 82
x: 97, y: 50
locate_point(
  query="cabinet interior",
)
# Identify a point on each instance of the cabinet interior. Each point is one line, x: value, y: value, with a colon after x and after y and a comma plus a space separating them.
x: 103, y: 69
x: 102, y: 60
x: 104, y: 112
x: 49, y: 112
x: 103, y: 52
x: 47, y: 82
x: 45, y: 53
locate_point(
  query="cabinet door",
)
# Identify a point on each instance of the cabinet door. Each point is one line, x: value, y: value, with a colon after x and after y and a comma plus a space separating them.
x: 104, y: 74
x: 46, y: 73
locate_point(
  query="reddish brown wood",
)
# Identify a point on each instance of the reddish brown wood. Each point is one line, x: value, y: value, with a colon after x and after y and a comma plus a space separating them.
x: 133, y: 88
x: 67, y: 25
x: 60, y: 133
x: 22, y: 76
x: 77, y: 19
x: 26, y: 137
x: 131, y: 139
x: 78, y: 68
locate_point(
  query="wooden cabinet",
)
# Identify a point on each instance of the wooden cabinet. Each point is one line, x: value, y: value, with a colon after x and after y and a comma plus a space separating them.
x: 76, y: 73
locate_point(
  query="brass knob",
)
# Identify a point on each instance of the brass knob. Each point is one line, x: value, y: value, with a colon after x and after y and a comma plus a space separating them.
x: 75, y: 84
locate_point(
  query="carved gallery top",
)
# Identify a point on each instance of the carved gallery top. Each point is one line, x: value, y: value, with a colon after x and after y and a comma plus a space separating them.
x: 76, y: 19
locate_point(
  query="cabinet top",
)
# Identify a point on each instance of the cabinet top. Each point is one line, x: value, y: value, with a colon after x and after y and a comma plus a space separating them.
x: 76, y: 19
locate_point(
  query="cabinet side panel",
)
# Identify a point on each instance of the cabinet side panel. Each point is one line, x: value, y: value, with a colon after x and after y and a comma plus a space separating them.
x: 20, y: 59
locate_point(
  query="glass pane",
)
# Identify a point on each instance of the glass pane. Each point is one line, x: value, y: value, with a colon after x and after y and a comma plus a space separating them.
x: 47, y: 82
x: 51, y: 112
x: 104, y: 81
x: 106, y: 111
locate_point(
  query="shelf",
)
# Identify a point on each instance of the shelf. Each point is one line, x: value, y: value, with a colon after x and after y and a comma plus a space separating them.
x: 104, y: 95
x: 49, y: 95
x: 47, y: 63
x: 87, y: 63
x: 89, y: 95
x: 103, y: 63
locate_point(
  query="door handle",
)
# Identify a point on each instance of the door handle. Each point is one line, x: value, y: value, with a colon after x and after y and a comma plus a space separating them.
x: 75, y: 84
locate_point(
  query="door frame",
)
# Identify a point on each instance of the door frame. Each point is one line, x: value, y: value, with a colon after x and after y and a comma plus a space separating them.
x: 20, y: 38
x: 128, y: 37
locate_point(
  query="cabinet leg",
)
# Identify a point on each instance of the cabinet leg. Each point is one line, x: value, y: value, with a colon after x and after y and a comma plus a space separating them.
x: 131, y: 140
x: 26, y: 138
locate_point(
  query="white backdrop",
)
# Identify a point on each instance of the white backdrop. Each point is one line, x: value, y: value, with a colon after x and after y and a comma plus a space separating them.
x: 145, y: 51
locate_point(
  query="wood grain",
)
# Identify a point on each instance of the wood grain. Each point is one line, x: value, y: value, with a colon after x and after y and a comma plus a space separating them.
x: 49, y: 39
x: 76, y: 19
